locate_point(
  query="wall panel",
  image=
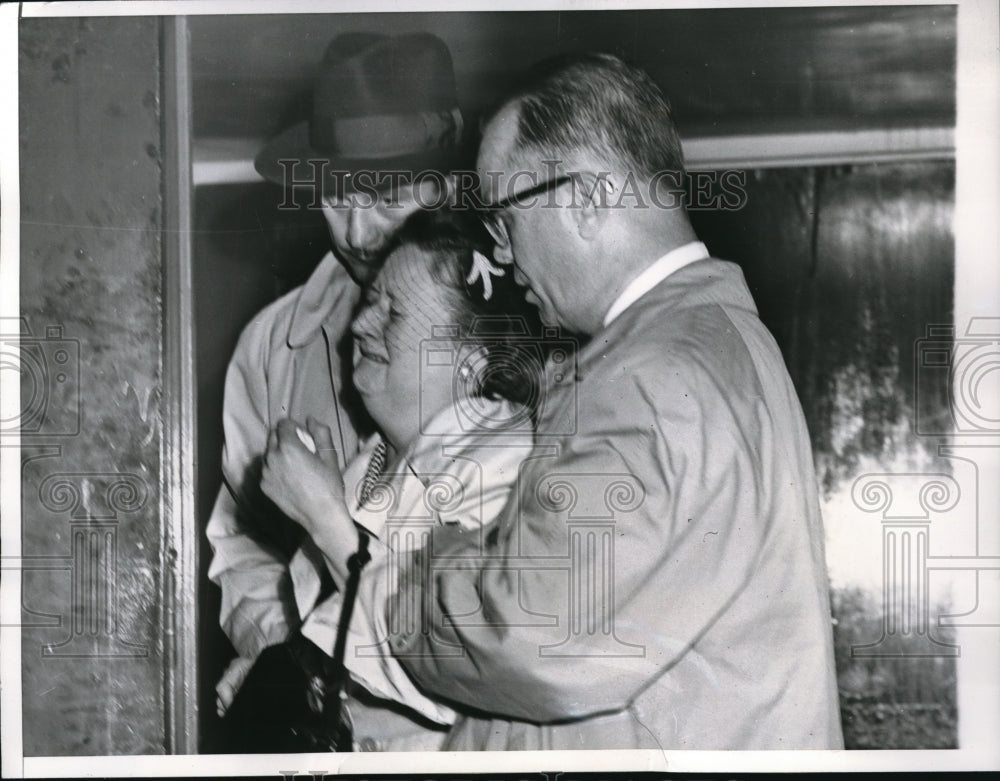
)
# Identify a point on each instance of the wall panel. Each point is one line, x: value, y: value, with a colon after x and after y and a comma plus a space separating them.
x: 91, y: 271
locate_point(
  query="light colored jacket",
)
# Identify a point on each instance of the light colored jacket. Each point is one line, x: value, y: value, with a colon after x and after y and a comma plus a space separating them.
x: 660, y: 582
x: 285, y: 364
x: 459, y: 476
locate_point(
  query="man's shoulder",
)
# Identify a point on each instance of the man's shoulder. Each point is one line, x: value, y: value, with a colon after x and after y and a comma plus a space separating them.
x: 278, y: 311
x: 689, y: 332
x: 273, y: 323
x: 490, y: 432
x: 692, y: 309
x: 475, y: 422
x: 270, y: 325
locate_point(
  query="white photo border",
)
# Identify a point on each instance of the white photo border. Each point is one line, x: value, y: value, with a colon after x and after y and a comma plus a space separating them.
x: 977, y: 282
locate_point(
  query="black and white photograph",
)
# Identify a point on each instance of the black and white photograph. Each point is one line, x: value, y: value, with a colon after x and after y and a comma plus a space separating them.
x: 499, y: 387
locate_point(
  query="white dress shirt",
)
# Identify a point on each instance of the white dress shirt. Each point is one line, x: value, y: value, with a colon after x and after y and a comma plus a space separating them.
x: 654, y: 274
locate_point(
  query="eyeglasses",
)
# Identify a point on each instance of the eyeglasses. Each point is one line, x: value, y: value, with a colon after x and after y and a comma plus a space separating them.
x: 491, y: 217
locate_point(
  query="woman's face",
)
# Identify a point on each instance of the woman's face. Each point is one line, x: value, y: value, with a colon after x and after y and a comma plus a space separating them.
x: 403, y: 307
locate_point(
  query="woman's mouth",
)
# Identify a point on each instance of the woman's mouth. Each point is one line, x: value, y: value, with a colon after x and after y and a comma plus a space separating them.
x: 365, y: 349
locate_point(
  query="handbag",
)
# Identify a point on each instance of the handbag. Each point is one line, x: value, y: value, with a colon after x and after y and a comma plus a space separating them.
x: 292, y: 698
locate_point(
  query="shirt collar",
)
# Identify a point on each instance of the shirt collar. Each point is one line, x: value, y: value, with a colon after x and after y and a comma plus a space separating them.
x: 432, y: 454
x: 319, y: 300
x: 654, y: 274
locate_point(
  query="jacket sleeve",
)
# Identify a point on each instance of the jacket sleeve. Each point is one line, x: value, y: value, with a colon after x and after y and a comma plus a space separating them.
x: 257, y: 601
x: 609, y: 563
x: 484, y: 475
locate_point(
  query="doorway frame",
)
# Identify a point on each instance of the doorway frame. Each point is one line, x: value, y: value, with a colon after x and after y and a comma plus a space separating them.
x: 180, y: 533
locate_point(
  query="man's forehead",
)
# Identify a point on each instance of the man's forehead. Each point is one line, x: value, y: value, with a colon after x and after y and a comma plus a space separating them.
x: 389, y: 188
x: 498, y: 144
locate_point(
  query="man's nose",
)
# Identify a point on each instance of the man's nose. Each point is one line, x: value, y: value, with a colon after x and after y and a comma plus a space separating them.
x: 362, y: 233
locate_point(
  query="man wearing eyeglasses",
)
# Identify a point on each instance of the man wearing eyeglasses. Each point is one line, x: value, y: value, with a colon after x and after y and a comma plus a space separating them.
x: 702, y: 619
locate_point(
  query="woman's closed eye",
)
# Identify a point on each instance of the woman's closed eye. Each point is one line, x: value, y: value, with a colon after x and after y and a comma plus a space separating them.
x: 373, y: 295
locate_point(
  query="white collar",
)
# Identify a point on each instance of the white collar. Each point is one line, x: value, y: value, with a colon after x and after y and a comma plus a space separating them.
x: 654, y: 274
x: 455, y: 429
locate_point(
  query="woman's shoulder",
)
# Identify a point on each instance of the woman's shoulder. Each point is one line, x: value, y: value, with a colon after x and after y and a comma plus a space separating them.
x: 483, y: 429
x: 469, y: 419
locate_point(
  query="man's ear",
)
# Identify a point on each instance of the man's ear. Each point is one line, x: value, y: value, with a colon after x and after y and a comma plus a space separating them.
x: 595, y: 201
x: 503, y: 256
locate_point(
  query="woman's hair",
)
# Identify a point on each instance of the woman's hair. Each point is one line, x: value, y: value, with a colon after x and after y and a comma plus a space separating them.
x: 505, y: 325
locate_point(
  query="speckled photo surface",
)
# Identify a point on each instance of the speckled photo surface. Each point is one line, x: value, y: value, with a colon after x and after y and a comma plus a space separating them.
x: 839, y: 161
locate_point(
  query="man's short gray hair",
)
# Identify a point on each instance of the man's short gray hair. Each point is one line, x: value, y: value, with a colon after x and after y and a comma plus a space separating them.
x: 598, y: 103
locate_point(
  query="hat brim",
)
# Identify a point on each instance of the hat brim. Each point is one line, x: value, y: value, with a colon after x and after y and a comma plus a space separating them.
x: 338, y: 171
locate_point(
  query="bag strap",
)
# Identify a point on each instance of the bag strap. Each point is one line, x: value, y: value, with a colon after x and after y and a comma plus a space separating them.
x: 338, y: 678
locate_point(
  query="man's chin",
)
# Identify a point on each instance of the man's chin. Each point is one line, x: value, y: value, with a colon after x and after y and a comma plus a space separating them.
x: 362, y: 270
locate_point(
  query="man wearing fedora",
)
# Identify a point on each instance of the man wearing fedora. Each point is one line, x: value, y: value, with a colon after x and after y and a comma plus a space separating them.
x: 384, y: 112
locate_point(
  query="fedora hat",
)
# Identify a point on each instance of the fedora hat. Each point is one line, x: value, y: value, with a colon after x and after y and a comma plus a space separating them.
x: 380, y: 103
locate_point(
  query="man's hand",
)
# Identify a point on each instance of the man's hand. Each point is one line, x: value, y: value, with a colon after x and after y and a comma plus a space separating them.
x: 230, y: 683
x: 308, y: 487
